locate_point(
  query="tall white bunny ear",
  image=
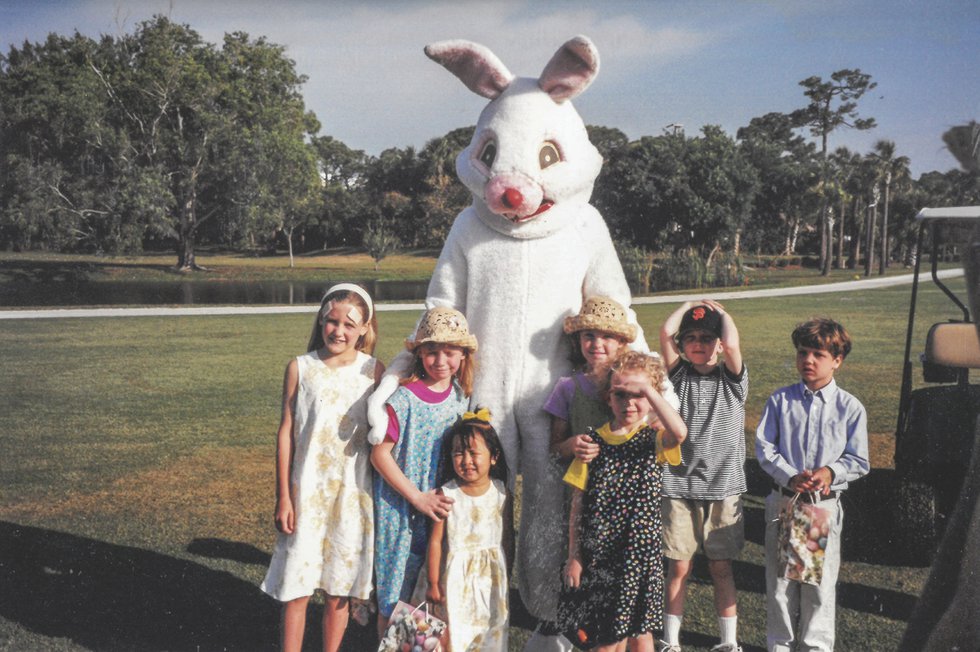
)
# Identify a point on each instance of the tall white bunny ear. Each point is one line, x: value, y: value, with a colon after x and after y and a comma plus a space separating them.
x: 571, y: 70
x: 475, y: 65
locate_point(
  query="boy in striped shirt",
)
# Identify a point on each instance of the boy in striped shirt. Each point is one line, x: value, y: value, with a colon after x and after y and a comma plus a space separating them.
x: 702, y: 505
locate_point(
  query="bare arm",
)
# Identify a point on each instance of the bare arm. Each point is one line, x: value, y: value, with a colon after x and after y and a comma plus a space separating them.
x: 668, y: 347
x: 434, y: 561
x: 285, y: 514
x: 675, y: 429
x: 432, y: 504
x: 573, y: 566
x: 730, y: 342
x: 507, y: 533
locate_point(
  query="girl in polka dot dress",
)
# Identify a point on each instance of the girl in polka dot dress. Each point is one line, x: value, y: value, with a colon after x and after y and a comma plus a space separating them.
x: 420, y: 411
x: 614, y: 570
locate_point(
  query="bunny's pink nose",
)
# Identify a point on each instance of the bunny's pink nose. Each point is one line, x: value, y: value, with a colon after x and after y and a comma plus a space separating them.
x: 513, y: 198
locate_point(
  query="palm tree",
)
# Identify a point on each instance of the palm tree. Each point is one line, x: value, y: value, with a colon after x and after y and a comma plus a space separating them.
x: 846, y: 164
x: 891, y: 169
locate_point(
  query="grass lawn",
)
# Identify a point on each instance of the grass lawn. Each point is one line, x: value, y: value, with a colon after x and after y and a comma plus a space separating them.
x: 221, y: 266
x: 136, y: 457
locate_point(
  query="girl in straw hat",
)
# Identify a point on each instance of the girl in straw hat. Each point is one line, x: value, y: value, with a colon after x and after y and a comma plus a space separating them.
x: 598, y: 332
x: 425, y: 405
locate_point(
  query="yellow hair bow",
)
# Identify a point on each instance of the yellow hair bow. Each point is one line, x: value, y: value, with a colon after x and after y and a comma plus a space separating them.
x: 483, y: 414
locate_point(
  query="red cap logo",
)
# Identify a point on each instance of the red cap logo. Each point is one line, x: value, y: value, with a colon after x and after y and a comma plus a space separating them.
x: 698, y: 314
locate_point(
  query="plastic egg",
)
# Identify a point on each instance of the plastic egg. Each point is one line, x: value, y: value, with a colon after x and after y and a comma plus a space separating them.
x: 814, y: 533
x: 406, y: 647
x: 430, y: 644
x: 417, y: 648
x: 823, y: 543
x: 812, y: 545
x: 423, y: 626
x: 419, y: 639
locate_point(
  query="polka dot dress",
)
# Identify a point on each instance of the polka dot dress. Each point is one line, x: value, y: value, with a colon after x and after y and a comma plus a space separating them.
x: 622, y: 584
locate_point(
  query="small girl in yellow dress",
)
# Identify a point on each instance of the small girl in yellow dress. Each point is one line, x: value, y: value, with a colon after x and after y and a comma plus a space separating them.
x: 469, y: 551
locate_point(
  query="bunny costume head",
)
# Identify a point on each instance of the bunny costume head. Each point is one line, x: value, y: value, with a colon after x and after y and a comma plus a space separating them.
x: 530, y: 161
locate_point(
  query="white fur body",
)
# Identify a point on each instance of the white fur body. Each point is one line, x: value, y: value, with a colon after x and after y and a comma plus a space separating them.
x: 521, y: 258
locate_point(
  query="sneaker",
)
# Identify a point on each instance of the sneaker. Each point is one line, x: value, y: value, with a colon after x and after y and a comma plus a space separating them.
x: 727, y: 647
x: 664, y: 646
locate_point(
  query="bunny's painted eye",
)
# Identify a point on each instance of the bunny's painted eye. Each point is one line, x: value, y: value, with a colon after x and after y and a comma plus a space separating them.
x: 488, y: 154
x: 548, y: 155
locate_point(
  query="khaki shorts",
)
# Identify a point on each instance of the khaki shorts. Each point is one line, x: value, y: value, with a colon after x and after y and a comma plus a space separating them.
x: 715, y: 525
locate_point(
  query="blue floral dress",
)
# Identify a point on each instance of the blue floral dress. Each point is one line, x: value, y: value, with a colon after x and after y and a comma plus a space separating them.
x: 401, y: 533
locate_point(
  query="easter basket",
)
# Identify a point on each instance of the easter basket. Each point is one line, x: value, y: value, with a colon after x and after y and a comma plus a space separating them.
x: 803, y: 531
x: 413, y: 629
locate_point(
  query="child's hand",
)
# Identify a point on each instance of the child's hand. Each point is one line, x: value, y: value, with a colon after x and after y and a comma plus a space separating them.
x: 812, y: 481
x: 285, y: 516
x: 633, y: 384
x: 434, y: 594
x: 433, y: 504
x: 710, y: 304
x: 584, y: 448
x: 573, y: 573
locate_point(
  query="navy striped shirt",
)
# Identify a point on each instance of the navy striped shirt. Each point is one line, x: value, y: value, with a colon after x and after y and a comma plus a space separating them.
x: 713, y: 455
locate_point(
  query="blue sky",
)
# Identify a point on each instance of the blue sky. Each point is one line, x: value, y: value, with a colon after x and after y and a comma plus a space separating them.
x: 692, y: 62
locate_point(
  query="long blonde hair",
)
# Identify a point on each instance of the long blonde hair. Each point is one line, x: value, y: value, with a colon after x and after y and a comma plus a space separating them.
x: 365, y: 342
x: 464, y: 375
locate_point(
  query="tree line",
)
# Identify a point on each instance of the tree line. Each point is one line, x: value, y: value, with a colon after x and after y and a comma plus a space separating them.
x: 159, y: 140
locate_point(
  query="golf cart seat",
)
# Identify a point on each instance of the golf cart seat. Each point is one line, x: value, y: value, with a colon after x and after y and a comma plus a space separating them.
x: 951, y: 347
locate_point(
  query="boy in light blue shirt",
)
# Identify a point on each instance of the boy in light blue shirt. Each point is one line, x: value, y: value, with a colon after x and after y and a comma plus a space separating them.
x: 812, y: 438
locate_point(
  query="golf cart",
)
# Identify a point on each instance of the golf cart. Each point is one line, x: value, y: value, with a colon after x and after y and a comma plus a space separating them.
x: 935, y: 433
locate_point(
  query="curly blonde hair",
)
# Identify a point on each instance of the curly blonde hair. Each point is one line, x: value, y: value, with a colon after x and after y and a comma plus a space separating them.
x: 629, y: 361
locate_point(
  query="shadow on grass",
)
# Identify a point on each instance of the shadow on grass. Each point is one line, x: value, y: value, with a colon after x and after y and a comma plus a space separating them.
x: 109, y: 597
x: 231, y: 550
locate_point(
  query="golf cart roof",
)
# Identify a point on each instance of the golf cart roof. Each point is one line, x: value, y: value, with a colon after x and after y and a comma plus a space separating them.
x: 950, y: 213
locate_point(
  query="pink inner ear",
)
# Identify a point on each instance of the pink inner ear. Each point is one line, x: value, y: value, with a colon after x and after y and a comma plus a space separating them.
x: 571, y: 70
x: 475, y: 65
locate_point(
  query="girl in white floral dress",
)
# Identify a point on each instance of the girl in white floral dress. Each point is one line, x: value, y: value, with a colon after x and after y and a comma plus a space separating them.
x: 469, y: 552
x: 324, y: 507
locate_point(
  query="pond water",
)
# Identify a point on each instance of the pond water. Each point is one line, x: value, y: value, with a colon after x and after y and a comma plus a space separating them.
x: 82, y: 293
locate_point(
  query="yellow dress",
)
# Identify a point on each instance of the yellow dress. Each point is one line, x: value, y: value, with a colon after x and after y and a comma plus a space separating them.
x: 332, y: 547
x: 476, y: 570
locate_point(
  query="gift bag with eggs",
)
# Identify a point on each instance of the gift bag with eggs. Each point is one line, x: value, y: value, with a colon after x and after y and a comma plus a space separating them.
x: 803, y: 532
x: 413, y: 629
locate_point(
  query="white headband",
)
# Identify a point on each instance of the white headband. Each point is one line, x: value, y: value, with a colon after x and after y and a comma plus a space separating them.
x: 356, y: 289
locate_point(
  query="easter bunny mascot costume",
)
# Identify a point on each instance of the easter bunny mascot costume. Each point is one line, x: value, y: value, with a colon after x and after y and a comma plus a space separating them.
x: 522, y: 257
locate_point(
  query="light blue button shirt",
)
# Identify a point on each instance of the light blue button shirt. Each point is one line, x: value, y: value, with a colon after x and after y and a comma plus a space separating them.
x: 800, y: 430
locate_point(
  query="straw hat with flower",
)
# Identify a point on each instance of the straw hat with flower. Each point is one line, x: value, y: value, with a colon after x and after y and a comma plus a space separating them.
x: 601, y: 314
x: 443, y: 326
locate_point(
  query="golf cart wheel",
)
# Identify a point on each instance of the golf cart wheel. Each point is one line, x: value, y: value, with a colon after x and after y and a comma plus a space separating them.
x: 919, y: 521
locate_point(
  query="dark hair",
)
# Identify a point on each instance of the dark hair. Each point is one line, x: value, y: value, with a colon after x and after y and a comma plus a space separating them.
x: 365, y: 342
x: 823, y: 334
x: 465, y: 430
